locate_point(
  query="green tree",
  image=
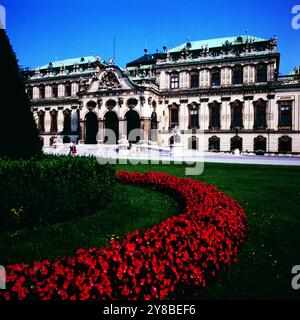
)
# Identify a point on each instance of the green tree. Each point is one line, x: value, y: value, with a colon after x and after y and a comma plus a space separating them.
x: 18, y: 133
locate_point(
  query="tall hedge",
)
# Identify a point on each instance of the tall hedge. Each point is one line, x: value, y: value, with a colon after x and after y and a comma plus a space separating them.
x: 52, y: 189
x: 18, y: 132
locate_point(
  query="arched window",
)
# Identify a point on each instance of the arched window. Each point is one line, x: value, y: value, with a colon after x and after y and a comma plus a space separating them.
x: 261, y: 73
x: 54, y: 91
x: 67, y: 121
x: 238, y: 75
x: 236, y: 142
x: 53, y: 125
x: 68, y: 89
x: 215, y: 77
x: 132, y: 102
x: 194, y: 80
x: 41, y: 121
x: 260, y: 145
x: 110, y: 104
x: 214, y: 115
x: 174, y: 81
x: 214, y: 144
x: 91, y: 105
x: 260, y: 121
x: 42, y: 91
x: 285, y: 144
x: 236, y: 115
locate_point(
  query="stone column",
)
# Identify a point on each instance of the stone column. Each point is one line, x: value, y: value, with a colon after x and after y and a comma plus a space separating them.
x: 61, y: 90
x: 100, y: 135
x: 183, y: 109
x: 74, y: 120
x: 271, y: 110
x: 35, y: 93
x: 251, y: 114
x: 122, y: 128
x: 206, y: 116
x: 60, y: 121
x: 81, y: 131
x: 146, y: 126
x: 223, y: 115
x: 47, y: 121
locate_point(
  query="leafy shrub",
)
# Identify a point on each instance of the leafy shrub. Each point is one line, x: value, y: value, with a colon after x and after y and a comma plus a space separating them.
x: 52, y: 189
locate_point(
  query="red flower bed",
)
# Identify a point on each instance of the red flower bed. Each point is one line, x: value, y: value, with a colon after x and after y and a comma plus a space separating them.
x: 188, y: 248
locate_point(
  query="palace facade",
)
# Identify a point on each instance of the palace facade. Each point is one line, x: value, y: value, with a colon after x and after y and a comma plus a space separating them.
x: 229, y: 89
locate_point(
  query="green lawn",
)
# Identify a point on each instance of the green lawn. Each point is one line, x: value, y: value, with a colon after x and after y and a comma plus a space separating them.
x: 270, y: 196
x: 130, y: 210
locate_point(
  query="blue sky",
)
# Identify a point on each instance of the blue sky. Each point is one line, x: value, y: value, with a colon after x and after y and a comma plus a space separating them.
x: 43, y: 31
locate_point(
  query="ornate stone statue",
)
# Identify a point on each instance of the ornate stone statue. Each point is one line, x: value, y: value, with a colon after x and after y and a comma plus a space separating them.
x: 109, y: 80
x: 176, y: 135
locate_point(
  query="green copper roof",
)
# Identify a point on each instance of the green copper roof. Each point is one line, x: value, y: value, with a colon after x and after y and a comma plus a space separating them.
x: 218, y: 42
x: 70, y: 62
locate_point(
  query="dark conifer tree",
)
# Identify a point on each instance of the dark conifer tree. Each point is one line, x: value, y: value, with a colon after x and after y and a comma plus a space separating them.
x: 18, y: 133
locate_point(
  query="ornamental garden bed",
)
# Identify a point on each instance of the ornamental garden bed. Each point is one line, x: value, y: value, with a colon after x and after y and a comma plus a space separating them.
x: 188, y: 248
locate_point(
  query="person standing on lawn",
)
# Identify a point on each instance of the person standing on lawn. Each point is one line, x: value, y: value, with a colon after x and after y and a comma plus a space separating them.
x: 73, y: 149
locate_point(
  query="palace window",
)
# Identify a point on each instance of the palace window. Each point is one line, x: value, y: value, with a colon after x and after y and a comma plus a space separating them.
x: 54, y: 91
x: 285, y: 114
x: 236, y: 115
x: 261, y: 73
x: 68, y: 89
x: 238, y: 75
x: 214, y: 116
x: 53, y: 125
x: 174, y: 116
x: 29, y: 92
x: 214, y: 144
x: 215, y: 77
x: 193, y: 143
x: 174, y: 84
x: 285, y: 144
x: 42, y: 91
x: 236, y: 142
x: 260, y: 145
x: 194, y: 80
x: 193, y: 118
x: 260, y: 115
x: 41, y: 121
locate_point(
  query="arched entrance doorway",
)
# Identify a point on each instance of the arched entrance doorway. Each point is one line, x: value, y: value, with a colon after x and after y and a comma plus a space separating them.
x: 111, y: 122
x: 91, y: 128
x: 133, y: 122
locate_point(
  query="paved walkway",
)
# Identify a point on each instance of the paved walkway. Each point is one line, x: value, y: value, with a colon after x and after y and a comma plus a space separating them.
x: 104, y: 151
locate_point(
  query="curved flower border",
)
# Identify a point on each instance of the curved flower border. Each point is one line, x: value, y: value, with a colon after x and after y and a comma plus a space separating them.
x: 188, y: 248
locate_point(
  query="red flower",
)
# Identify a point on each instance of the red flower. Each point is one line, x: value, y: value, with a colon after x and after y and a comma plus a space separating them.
x: 186, y: 248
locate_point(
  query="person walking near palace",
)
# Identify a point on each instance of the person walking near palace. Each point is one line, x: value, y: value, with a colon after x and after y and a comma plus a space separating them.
x: 72, y: 149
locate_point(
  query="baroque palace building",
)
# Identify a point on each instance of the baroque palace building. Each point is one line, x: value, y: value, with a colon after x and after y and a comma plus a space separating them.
x: 229, y: 89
